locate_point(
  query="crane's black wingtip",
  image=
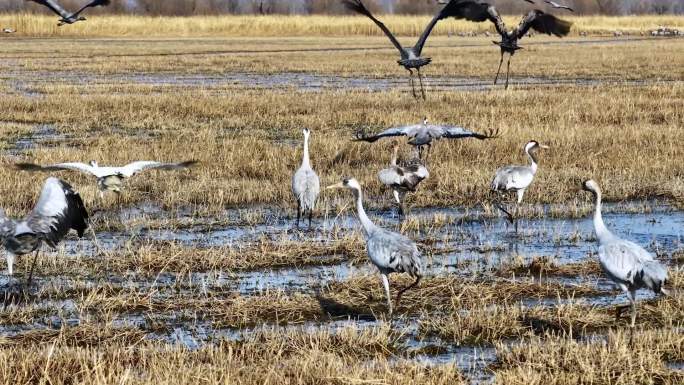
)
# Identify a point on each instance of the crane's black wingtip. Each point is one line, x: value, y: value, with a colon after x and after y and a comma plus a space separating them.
x: 28, y: 167
x: 188, y: 163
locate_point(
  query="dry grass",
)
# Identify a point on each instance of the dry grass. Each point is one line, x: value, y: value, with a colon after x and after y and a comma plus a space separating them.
x: 609, y: 360
x: 348, y: 356
x: 280, y: 25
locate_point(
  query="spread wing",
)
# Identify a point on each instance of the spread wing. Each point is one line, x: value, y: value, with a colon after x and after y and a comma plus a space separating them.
x: 474, y: 10
x: 59, y: 209
x: 458, y: 132
x: 56, y: 8
x: 58, y: 167
x: 394, y: 131
x: 558, y: 6
x: 94, y: 3
x: 542, y: 23
x: 135, y: 167
x: 358, y: 7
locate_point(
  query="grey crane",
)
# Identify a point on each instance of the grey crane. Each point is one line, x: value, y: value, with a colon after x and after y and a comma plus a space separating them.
x: 517, y: 178
x: 424, y: 133
x: 66, y: 17
x: 305, y: 183
x: 402, y: 179
x: 58, y: 210
x: 553, y: 4
x: 108, y: 178
x: 390, y: 252
x: 627, y: 264
x: 410, y: 56
x: 478, y: 11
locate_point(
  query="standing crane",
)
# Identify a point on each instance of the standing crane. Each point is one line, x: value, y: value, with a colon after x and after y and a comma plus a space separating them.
x: 108, y: 178
x: 627, y: 264
x: 424, y: 133
x: 305, y: 184
x: 66, y: 17
x: 390, y: 252
x: 516, y: 178
x: 59, y: 209
x: 402, y: 179
x: 478, y: 11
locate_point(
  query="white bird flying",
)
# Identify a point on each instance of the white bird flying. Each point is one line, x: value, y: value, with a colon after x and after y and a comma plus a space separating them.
x: 108, y: 178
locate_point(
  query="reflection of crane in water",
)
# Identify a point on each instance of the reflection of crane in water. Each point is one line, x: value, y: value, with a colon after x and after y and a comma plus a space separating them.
x: 390, y: 252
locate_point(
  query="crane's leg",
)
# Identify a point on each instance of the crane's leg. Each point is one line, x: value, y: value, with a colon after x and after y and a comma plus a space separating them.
x: 411, y: 286
x: 499, y: 70
x: 508, y: 70
x: 299, y: 212
x: 427, y: 156
x: 310, y: 215
x: 632, y: 299
x: 33, y: 265
x: 385, y: 284
x: 420, y: 79
x: 413, y: 87
x: 397, y: 198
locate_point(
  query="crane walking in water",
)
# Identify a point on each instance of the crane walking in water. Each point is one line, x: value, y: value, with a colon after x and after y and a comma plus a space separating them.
x: 59, y: 209
x: 516, y: 178
x: 422, y: 134
x: 627, y: 264
x: 402, y: 179
x: 305, y: 184
x: 478, y: 11
x: 389, y: 251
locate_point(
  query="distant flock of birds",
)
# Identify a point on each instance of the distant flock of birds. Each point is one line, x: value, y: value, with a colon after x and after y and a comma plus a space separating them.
x: 60, y: 209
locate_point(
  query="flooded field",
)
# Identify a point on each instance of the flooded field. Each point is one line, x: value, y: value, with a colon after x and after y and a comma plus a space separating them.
x: 202, y: 272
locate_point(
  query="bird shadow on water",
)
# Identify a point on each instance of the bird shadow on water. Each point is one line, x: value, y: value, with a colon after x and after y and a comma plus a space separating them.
x: 335, y: 309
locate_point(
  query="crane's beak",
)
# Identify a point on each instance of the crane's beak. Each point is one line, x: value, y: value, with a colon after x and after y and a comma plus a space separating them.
x: 545, y: 147
x: 336, y: 185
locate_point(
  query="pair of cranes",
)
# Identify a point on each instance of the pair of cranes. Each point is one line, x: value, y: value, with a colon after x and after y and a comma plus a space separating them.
x: 472, y: 10
x: 627, y: 264
x: 60, y: 208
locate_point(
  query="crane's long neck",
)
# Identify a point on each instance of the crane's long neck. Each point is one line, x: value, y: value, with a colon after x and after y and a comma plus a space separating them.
x: 393, y: 162
x: 366, y: 223
x: 533, y: 160
x: 602, y: 231
x: 305, y: 157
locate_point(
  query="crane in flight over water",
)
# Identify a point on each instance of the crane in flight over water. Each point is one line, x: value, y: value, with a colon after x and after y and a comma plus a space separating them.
x: 627, y: 264
x: 305, y: 184
x: 424, y: 133
x: 390, y: 252
x: 108, y: 178
x: 58, y: 210
x: 411, y: 57
x: 478, y: 11
x: 516, y: 178
x: 66, y: 17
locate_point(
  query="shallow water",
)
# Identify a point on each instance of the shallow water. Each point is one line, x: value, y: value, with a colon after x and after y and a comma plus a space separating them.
x: 473, y: 245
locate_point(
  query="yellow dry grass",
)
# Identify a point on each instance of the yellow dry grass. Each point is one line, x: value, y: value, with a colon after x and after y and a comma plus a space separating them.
x: 281, y: 25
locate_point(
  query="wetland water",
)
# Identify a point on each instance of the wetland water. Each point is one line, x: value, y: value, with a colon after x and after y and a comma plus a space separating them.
x: 466, y: 243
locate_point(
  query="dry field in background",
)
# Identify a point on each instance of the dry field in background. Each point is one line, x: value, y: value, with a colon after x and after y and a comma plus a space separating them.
x: 109, y: 315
